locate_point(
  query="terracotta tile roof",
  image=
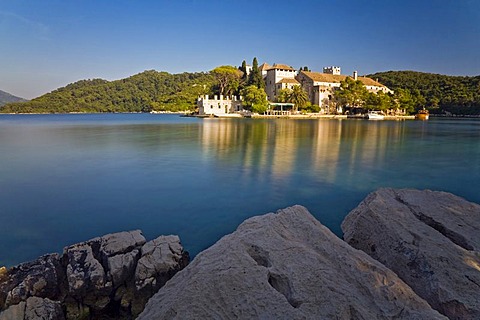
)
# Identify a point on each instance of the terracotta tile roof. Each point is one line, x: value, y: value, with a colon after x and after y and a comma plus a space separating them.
x: 334, y: 78
x: 288, y: 80
x: 281, y: 66
x: 264, y: 67
x: 370, y: 82
x: 324, y: 77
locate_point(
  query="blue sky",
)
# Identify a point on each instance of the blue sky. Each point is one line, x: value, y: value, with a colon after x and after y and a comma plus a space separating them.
x: 48, y: 44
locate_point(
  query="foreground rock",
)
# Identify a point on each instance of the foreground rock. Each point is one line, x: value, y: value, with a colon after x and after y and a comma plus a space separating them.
x: 285, y: 266
x: 430, y: 239
x: 107, y: 277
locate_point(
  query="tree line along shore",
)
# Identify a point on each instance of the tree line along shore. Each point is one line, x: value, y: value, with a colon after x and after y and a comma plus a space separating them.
x: 153, y: 91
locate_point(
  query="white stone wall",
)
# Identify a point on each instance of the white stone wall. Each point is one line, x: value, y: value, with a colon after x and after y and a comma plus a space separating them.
x: 377, y: 89
x: 332, y: 70
x: 274, y: 76
x: 218, y: 106
x: 317, y: 91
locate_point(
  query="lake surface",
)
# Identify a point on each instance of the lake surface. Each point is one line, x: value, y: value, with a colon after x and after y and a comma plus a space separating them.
x: 69, y: 178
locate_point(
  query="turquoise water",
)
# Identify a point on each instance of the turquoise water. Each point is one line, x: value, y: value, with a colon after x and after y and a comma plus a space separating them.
x: 68, y: 178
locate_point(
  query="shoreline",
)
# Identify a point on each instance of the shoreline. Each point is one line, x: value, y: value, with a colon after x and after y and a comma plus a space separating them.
x: 325, y: 116
x: 258, y: 116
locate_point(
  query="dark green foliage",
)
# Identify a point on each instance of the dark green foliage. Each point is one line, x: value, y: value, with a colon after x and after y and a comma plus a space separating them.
x: 352, y: 93
x: 310, y: 108
x: 243, y: 68
x: 379, y: 101
x: 143, y: 92
x: 227, y: 79
x: 255, y: 77
x: 255, y: 99
x: 458, y: 95
x: 244, y: 80
x: 297, y: 95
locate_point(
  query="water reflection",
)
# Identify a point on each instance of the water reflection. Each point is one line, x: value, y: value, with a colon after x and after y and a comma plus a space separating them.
x: 282, y: 148
x: 65, y: 179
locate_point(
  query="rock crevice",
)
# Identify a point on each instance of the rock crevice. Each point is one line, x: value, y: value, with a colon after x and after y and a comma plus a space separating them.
x: 455, y: 237
x: 430, y: 239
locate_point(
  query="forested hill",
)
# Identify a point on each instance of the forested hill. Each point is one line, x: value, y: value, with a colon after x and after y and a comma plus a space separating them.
x: 6, y: 97
x: 143, y: 92
x: 458, y: 95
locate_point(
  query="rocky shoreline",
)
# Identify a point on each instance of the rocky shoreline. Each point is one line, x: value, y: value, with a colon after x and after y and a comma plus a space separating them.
x: 110, y: 277
x: 406, y: 254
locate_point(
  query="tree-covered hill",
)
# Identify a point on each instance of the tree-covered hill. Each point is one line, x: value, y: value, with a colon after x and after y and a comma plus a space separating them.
x: 6, y: 97
x: 143, y: 92
x: 455, y: 94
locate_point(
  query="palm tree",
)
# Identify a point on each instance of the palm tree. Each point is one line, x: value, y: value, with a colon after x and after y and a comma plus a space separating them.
x: 298, y: 96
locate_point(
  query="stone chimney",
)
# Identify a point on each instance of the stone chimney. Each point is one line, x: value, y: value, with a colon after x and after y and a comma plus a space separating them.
x: 355, y: 75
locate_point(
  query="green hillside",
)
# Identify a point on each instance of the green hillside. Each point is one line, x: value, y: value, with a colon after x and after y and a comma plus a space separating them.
x: 161, y: 91
x: 458, y: 95
x: 143, y: 92
x: 6, y: 97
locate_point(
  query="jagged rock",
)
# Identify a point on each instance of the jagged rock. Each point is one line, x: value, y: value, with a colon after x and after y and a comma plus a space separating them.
x: 95, y: 266
x: 159, y: 256
x: 34, y: 308
x: 121, y: 242
x: 88, y: 263
x: 92, y: 279
x: 43, y: 309
x: 122, y: 266
x: 40, y: 278
x: 430, y: 239
x: 285, y: 266
x: 85, y: 274
x: 161, y: 259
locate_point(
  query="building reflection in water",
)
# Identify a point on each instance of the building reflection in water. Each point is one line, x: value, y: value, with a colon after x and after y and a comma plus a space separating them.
x: 272, y: 149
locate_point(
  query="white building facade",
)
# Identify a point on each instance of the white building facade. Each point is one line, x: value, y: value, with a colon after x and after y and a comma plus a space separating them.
x: 321, y: 86
x: 275, y: 75
x: 219, y: 106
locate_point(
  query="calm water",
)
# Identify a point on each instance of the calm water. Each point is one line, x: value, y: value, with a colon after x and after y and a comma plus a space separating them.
x: 68, y: 178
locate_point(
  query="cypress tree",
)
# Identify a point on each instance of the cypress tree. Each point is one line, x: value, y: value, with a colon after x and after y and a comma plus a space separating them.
x: 255, y: 77
x: 243, y: 68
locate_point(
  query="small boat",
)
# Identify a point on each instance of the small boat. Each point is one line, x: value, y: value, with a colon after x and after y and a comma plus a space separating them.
x: 374, y: 115
x: 422, y: 114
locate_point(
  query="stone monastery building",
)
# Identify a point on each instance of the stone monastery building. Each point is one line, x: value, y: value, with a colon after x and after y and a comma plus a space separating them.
x: 319, y: 87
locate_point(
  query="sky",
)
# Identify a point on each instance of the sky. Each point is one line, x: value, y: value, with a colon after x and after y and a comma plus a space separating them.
x: 48, y: 44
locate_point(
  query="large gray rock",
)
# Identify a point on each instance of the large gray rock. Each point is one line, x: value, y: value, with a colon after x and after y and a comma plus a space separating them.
x: 285, y: 266
x: 430, y: 239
